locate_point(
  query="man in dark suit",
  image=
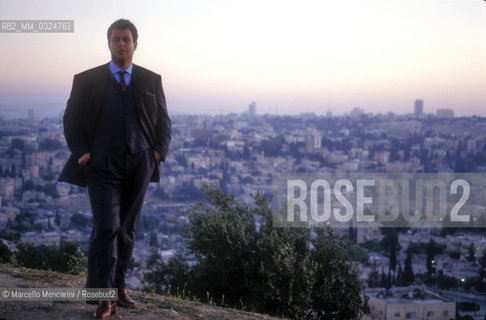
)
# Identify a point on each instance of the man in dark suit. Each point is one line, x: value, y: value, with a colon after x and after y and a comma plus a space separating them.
x: 118, y: 131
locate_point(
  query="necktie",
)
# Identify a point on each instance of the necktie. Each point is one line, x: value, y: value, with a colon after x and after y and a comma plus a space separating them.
x: 123, y: 84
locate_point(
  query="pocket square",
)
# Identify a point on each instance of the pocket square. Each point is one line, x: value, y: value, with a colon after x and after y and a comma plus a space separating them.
x: 149, y: 93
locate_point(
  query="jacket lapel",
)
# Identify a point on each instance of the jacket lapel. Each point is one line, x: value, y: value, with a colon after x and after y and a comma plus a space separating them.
x: 138, y: 85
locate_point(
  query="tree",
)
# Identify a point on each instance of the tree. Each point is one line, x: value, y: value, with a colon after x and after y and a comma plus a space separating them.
x: 5, y: 252
x: 57, y: 219
x: 160, y: 193
x: 408, y: 276
x: 446, y: 282
x: 13, y: 170
x: 171, y: 278
x: 298, y: 273
x: 337, y: 287
x: 399, y: 278
x: 455, y: 254
x: 482, y: 271
x: 79, y: 220
x: 273, y: 146
x: 17, y: 144
x: 66, y: 258
x: 388, y: 280
x: 187, y: 191
x: 223, y: 237
x: 153, y: 260
x: 359, y: 254
x: 470, y: 256
x: 50, y: 189
x: 390, y: 243
x: 373, y: 277
x: 430, y: 260
x: 480, y: 283
x: 383, y: 278
x: 49, y: 145
x: 28, y: 185
x: 153, y: 239
x: 146, y: 225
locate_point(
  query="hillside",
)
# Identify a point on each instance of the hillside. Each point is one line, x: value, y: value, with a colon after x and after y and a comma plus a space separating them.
x: 151, y: 306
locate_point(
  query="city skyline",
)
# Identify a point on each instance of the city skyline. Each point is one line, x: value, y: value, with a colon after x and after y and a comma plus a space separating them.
x: 53, y: 110
x: 289, y: 57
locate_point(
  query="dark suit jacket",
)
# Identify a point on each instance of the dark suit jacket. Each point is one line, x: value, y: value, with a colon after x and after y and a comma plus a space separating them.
x: 85, y: 102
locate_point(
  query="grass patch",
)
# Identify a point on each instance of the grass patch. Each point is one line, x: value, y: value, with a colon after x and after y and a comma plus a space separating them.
x: 165, y: 305
x: 42, y: 276
x: 186, y: 309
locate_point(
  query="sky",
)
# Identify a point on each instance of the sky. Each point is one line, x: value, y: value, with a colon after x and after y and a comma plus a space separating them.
x: 217, y: 56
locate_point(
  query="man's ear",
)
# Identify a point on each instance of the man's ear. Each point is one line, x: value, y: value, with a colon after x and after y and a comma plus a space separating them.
x: 135, y: 46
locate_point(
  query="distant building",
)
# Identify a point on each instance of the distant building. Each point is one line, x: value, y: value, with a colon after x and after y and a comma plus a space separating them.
x: 7, y: 214
x: 74, y: 235
x: 356, y: 113
x: 32, y: 195
x: 34, y: 172
x: 382, y: 157
x: 418, y: 108
x: 198, y: 183
x: 313, y: 139
x: 31, y: 116
x: 7, y: 187
x: 409, y: 303
x: 471, y: 145
x: 252, y: 109
x: 364, y: 234
x: 445, y: 113
x: 462, y: 244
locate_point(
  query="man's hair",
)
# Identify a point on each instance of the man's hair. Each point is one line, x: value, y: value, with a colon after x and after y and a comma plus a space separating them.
x: 122, y: 24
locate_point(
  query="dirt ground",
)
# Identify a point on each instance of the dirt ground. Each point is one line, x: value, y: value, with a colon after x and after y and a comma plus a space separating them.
x: 150, y: 306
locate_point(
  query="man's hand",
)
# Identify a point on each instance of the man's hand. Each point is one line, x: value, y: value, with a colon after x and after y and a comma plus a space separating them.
x: 158, y: 157
x: 83, y: 161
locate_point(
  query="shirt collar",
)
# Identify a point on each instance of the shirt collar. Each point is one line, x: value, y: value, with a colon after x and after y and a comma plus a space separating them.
x: 114, y: 68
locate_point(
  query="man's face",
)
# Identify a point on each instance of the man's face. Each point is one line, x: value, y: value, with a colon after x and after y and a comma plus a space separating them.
x: 122, y: 47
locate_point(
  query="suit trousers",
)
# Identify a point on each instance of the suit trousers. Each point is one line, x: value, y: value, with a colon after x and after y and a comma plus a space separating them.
x: 117, y: 183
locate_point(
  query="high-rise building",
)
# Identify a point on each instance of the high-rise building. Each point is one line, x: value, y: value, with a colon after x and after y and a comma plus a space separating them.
x: 31, y: 116
x: 418, y: 108
x: 356, y: 113
x: 252, y: 109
